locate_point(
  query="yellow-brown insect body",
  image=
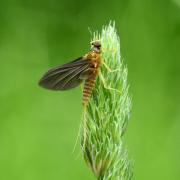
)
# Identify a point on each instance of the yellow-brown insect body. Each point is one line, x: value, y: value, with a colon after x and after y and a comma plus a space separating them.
x: 70, y: 75
x: 90, y: 82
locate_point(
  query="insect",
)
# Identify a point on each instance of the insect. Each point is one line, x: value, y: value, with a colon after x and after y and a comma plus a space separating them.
x: 84, y: 69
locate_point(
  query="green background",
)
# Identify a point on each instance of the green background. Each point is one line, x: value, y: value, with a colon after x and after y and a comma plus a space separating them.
x: 38, y: 128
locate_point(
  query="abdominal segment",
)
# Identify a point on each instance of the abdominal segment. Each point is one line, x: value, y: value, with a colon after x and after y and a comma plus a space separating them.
x: 88, y: 87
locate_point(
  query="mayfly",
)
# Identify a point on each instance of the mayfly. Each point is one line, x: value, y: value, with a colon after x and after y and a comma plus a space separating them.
x: 72, y: 74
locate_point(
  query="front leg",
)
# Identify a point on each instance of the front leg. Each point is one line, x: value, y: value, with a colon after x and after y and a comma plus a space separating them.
x: 108, y: 68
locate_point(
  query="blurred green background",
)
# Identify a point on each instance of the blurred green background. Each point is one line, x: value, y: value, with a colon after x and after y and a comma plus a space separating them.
x: 38, y: 128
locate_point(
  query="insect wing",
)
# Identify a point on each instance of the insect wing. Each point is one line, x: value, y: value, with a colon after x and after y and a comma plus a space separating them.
x: 66, y: 76
x: 88, y: 73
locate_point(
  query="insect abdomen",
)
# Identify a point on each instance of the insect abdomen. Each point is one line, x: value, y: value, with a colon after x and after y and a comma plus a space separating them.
x: 88, y: 86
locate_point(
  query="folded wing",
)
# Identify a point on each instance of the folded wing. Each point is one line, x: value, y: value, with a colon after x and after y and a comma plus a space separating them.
x: 66, y: 76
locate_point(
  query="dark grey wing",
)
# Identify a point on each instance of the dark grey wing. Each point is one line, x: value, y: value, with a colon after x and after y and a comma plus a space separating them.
x: 62, y: 68
x: 66, y: 76
x: 88, y: 73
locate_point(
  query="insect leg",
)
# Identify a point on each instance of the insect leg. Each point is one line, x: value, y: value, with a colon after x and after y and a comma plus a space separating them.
x: 105, y: 85
x: 108, y: 68
x: 81, y: 87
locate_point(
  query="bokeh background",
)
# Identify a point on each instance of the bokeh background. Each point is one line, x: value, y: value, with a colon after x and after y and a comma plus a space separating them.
x: 38, y: 128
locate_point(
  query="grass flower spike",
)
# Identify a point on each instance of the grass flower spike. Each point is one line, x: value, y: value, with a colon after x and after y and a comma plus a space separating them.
x: 106, y: 116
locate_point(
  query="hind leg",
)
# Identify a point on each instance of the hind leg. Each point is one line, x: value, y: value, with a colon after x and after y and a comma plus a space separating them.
x: 105, y: 85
